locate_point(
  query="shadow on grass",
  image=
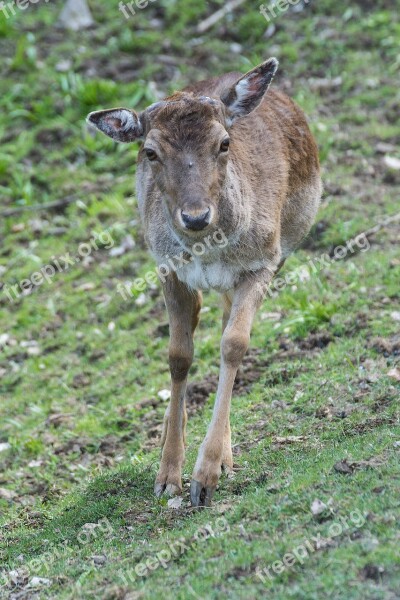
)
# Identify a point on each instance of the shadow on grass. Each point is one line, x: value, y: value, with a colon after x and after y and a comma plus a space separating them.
x: 105, y: 499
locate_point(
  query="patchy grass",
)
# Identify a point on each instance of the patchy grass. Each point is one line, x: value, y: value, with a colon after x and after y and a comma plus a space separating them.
x: 315, y: 414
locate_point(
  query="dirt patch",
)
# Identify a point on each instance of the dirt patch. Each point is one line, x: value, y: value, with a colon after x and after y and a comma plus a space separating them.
x: 316, y: 340
x: 52, y: 136
x: 124, y: 69
x: 251, y: 370
x: 73, y: 446
x: 368, y: 425
x: 347, y: 466
x: 108, y: 446
x: 198, y: 393
x: 334, y: 412
x: 387, y: 346
x: 371, y: 463
x: 357, y: 323
x: 383, y: 402
x: 81, y: 380
x: 239, y: 572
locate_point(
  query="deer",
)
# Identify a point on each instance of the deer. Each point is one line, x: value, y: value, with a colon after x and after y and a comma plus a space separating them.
x: 227, y: 154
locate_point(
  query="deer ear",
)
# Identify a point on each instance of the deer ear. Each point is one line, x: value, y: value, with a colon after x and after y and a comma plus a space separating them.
x: 120, y: 124
x: 246, y: 94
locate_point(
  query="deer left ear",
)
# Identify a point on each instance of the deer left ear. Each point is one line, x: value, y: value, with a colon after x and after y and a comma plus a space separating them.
x: 120, y: 124
x: 246, y: 94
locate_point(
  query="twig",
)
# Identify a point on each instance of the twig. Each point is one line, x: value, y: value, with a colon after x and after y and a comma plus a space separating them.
x: 218, y: 15
x: 54, y: 204
x: 381, y: 225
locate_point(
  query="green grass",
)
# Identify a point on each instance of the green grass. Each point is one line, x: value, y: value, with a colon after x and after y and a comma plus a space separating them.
x: 80, y: 368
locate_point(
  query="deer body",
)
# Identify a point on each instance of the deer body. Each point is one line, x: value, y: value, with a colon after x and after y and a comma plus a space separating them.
x: 222, y: 154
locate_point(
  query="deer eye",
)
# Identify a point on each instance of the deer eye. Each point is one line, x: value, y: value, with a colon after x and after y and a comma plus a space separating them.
x: 151, y: 155
x: 224, y: 145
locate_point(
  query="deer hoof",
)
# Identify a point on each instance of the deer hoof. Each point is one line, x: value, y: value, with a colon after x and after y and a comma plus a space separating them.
x: 159, y: 489
x: 170, y: 489
x: 199, y: 495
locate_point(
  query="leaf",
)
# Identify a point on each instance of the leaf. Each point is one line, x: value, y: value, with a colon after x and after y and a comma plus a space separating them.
x: 38, y: 582
x: 392, y: 162
x: 394, y: 373
x: 6, y: 494
x: 175, y: 502
x: 318, y: 507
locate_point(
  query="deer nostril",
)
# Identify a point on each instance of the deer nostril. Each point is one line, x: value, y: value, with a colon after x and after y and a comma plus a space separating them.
x: 196, y: 222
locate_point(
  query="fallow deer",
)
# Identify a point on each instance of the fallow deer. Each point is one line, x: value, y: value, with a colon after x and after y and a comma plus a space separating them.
x: 220, y: 154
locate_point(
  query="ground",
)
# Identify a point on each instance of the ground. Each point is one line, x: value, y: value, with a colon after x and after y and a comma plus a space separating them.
x: 313, y: 509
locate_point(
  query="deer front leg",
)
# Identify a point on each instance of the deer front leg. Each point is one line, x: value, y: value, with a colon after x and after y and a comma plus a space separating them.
x: 183, y: 307
x: 215, y: 450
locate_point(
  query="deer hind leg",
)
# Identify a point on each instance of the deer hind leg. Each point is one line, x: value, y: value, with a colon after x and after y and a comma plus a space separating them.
x: 216, y: 447
x: 227, y: 457
x: 227, y: 307
x: 183, y: 307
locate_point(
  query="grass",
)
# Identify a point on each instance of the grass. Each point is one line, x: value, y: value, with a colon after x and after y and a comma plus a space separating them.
x: 316, y: 411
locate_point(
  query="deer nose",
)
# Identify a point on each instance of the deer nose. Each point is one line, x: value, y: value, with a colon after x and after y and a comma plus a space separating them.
x: 194, y: 221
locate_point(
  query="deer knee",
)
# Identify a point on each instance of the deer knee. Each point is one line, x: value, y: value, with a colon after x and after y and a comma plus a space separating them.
x: 179, y: 364
x: 233, y: 347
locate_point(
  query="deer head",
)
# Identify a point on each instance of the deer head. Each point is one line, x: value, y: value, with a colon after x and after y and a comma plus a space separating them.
x: 186, y: 144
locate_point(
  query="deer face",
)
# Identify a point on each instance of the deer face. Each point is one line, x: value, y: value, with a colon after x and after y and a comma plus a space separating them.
x: 186, y: 145
x: 186, y: 149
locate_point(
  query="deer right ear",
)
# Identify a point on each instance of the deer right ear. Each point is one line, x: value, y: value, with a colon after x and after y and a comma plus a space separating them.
x: 120, y: 124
